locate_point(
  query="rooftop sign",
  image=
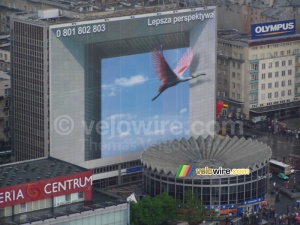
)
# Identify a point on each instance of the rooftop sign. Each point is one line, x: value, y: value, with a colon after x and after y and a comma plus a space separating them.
x: 273, y: 29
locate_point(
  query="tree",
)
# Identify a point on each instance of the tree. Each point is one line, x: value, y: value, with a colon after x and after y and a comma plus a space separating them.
x: 153, y: 211
x: 135, y: 213
x: 194, y: 208
x: 169, y: 207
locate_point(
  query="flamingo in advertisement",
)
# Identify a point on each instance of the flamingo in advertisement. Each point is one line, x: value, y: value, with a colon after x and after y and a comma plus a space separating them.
x: 166, y: 75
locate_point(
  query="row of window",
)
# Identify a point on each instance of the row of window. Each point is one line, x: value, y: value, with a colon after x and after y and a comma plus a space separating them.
x: 114, y: 167
x: 276, y: 45
x: 226, y: 62
x: 276, y: 84
x: 113, y: 181
x: 276, y: 74
x: 27, y: 31
x: 41, y: 204
x: 276, y: 64
x: 275, y: 54
x: 276, y: 94
x: 274, y: 103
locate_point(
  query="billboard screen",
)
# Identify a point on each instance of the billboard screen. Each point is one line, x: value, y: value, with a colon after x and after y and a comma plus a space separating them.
x: 273, y: 29
x: 120, y: 85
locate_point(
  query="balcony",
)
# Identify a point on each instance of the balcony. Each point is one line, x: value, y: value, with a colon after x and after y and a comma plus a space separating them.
x: 297, y: 94
x: 297, y: 54
x: 254, y: 91
x: 297, y: 74
x: 253, y: 81
x: 254, y: 61
x: 253, y: 71
x: 297, y: 84
x: 253, y: 102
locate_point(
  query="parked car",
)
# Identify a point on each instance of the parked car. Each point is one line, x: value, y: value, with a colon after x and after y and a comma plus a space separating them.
x: 283, y: 176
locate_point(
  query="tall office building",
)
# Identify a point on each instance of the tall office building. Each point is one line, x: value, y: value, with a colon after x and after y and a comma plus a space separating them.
x: 89, y: 92
x: 30, y: 85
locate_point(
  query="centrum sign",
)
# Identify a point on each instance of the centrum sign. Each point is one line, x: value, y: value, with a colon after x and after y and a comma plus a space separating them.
x: 52, y: 187
x: 272, y: 29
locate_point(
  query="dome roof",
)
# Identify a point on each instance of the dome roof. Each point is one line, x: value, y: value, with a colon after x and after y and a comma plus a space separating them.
x: 211, y: 152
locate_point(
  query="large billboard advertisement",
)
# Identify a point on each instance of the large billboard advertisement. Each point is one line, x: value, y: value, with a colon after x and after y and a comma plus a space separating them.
x: 120, y: 85
x: 273, y: 29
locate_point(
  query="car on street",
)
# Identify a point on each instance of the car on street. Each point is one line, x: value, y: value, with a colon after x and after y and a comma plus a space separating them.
x: 282, y: 176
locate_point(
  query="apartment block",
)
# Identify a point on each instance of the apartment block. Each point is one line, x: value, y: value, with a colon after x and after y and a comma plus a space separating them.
x: 259, y: 77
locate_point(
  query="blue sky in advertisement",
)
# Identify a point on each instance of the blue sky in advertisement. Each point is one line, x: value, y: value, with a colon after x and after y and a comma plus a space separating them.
x: 132, y: 120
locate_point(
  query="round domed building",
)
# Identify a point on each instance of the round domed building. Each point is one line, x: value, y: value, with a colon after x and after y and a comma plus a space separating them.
x: 208, y: 167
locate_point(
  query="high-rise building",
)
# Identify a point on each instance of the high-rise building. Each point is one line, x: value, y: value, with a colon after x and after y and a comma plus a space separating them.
x: 96, y: 92
x: 30, y: 81
x: 259, y: 77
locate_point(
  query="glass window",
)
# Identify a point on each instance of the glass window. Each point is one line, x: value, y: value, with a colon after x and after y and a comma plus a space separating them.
x: 224, y: 181
x: 269, y: 85
x: 270, y: 65
x: 269, y: 95
x: 68, y: 198
x: 206, y: 181
x: 23, y: 207
x: 241, y: 178
x: 283, y: 63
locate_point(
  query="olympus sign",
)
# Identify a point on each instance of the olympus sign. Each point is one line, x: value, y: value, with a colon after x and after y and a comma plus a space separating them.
x: 272, y: 29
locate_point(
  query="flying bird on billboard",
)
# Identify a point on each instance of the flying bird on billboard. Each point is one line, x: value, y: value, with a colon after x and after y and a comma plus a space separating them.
x: 166, y: 75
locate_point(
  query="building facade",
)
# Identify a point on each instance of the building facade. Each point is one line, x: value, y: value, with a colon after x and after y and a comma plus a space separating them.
x: 259, y: 77
x: 5, y: 117
x: 216, y: 191
x: 55, y: 192
x: 63, y: 91
x: 30, y: 98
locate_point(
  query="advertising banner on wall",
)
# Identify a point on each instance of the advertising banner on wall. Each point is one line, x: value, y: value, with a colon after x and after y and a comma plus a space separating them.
x: 273, y: 29
x: 48, y: 188
x: 119, y: 85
